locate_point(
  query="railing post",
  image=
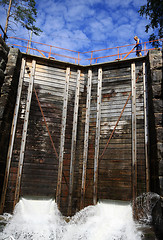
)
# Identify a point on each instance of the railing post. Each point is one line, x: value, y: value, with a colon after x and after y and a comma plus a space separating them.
x: 50, y: 52
x: 91, y: 57
x: 118, y: 52
x: 145, y: 52
x: 30, y: 42
x: 27, y: 47
x: 78, y: 58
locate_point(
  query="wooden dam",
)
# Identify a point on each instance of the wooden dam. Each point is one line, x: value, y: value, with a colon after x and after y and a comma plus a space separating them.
x: 79, y: 133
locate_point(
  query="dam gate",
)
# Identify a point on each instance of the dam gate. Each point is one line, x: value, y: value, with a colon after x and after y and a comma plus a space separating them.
x: 79, y: 133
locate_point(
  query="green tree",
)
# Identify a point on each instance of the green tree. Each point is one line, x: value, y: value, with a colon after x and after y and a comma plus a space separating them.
x: 153, y: 11
x: 21, y: 11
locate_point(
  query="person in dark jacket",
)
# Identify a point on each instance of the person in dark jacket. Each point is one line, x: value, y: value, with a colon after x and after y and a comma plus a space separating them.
x: 138, y: 46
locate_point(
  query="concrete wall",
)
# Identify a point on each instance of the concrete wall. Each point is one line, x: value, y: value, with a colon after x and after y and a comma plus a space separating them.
x: 4, y: 49
x: 9, y: 75
x: 155, y: 113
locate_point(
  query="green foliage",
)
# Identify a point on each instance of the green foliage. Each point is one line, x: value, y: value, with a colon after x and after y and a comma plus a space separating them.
x: 153, y: 10
x: 23, y: 12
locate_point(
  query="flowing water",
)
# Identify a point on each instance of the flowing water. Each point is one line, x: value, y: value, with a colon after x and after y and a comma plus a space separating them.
x: 41, y: 220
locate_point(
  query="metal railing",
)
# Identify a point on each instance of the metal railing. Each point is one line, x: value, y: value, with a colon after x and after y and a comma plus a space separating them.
x: 121, y: 51
x: 45, y: 50
x: 89, y: 57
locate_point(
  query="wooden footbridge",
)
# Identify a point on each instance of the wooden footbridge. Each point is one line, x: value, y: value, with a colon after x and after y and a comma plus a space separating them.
x: 79, y: 133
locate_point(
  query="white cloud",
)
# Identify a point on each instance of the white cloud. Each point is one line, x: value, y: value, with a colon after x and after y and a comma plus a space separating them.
x: 140, y: 29
x: 87, y: 24
x: 79, y: 12
x: 3, y: 19
x: 139, y: 3
x: 124, y: 32
x: 117, y: 3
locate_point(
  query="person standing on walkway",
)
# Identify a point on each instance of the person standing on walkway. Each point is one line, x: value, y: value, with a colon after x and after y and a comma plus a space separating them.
x: 138, y: 46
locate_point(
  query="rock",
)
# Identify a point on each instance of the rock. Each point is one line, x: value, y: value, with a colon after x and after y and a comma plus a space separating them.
x: 157, y: 219
x: 2, y: 76
x: 2, y: 64
x: 4, y: 45
x: 3, y: 53
x: 158, y: 105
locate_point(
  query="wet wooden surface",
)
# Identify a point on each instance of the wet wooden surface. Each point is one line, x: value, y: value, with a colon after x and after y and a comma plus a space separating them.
x: 40, y: 169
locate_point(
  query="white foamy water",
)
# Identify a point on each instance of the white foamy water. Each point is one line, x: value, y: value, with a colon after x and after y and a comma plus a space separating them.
x: 41, y: 220
x: 34, y: 220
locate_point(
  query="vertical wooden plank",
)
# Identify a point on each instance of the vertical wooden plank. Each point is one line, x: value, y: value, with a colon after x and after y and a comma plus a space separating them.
x: 62, y: 141
x: 146, y: 127
x: 97, y: 139
x: 73, y: 142
x: 86, y: 138
x: 134, y: 155
x: 12, y: 136
x: 24, y: 133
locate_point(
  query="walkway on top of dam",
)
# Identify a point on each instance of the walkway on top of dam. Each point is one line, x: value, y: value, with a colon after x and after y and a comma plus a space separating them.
x: 78, y: 57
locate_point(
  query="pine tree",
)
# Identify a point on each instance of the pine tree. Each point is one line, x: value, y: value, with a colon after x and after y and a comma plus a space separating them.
x: 21, y: 11
x: 153, y: 10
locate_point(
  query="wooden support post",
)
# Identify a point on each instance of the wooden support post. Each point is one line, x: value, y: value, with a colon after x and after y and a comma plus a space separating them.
x: 86, y: 138
x: 97, y: 140
x: 146, y: 128
x: 24, y: 133
x: 12, y: 136
x: 73, y: 142
x: 134, y: 152
x: 62, y: 141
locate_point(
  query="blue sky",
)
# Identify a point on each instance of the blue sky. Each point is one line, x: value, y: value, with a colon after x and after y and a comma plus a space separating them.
x: 84, y: 25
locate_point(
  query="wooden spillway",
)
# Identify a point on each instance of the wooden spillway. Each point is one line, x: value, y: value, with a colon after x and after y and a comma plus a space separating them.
x: 79, y: 133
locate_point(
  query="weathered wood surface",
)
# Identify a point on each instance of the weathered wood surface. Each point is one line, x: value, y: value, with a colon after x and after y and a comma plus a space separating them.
x: 62, y: 139
x: 134, y: 137
x: 73, y: 142
x: 40, y: 168
x: 12, y: 135
x: 115, y: 166
x: 97, y: 138
x: 86, y: 138
x: 24, y: 132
